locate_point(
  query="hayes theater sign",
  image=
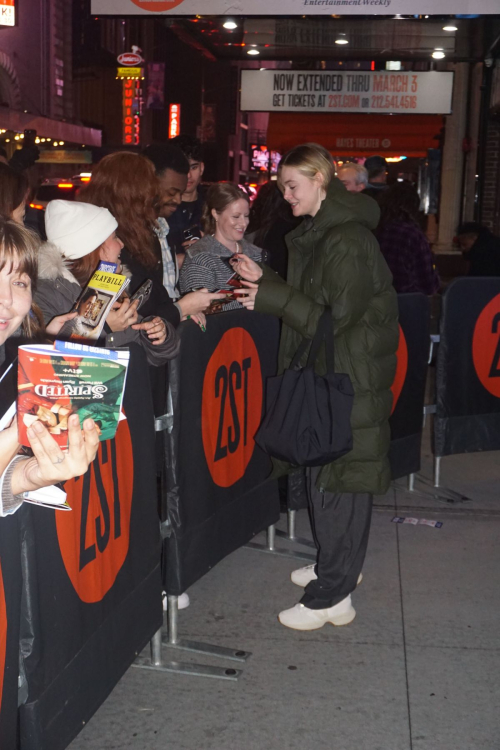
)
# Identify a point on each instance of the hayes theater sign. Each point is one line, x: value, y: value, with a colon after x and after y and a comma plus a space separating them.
x: 334, y: 91
x: 291, y: 7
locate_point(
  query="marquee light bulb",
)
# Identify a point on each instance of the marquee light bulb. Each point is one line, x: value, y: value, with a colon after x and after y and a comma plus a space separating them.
x: 253, y: 52
x: 438, y: 55
x: 230, y: 25
x: 450, y: 28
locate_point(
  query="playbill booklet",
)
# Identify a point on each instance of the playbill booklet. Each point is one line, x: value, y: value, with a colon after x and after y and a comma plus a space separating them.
x: 95, y: 303
x: 67, y: 378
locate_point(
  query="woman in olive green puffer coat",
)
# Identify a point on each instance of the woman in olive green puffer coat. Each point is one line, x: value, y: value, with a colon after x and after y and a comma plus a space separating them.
x: 335, y: 261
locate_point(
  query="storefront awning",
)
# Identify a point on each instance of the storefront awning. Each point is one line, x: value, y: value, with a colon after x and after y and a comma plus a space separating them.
x: 356, y: 134
x: 12, y: 119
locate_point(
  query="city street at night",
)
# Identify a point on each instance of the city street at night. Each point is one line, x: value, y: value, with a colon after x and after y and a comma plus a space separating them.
x: 249, y: 374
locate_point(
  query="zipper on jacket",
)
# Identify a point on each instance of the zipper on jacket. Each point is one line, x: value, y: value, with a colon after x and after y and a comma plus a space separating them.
x: 312, y: 270
x: 322, y: 492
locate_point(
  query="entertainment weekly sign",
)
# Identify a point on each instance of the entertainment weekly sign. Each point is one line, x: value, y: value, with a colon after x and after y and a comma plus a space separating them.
x: 290, y: 7
x: 382, y: 92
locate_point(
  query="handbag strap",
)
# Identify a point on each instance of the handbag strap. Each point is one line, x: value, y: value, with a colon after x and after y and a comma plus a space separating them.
x: 324, y: 332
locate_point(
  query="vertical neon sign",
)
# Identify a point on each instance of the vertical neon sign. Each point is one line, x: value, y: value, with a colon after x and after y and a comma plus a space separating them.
x: 131, y: 134
x: 174, y: 120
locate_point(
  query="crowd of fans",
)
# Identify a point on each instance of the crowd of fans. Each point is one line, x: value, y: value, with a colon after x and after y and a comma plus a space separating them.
x: 310, y: 241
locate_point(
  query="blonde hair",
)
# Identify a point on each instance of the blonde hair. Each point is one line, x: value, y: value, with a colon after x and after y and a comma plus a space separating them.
x: 309, y: 159
x: 219, y: 197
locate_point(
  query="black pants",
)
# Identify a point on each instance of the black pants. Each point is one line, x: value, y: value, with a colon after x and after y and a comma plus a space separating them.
x: 341, y: 527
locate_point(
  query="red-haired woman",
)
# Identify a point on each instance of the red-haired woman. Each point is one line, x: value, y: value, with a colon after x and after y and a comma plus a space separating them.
x: 126, y: 184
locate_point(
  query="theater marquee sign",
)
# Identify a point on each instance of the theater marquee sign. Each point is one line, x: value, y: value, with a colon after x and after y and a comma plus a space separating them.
x: 334, y: 91
x: 291, y: 7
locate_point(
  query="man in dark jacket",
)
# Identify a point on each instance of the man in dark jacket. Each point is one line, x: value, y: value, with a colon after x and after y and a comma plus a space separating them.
x: 376, y: 167
x: 185, y: 224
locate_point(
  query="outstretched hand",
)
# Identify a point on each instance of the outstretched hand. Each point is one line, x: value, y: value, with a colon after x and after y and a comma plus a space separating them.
x: 50, y: 463
x: 57, y: 323
x: 123, y: 315
x: 197, y: 302
x: 247, y: 295
x: 155, y: 329
x: 246, y: 267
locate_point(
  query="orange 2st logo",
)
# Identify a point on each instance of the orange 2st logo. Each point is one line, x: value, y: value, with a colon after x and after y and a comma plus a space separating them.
x: 401, y: 369
x: 486, y: 347
x: 94, y: 537
x: 231, y: 407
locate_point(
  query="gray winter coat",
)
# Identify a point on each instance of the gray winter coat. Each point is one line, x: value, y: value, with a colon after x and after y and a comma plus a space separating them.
x: 57, y: 291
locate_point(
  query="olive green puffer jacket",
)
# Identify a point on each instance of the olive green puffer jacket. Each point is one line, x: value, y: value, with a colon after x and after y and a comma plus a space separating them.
x: 334, y: 260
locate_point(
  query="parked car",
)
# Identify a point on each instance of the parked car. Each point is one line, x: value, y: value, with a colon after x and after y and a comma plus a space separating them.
x: 59, y: 188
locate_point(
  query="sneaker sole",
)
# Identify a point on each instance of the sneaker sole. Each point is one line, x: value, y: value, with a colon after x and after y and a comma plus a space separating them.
x: 303, y: 585
x: 339, y: 622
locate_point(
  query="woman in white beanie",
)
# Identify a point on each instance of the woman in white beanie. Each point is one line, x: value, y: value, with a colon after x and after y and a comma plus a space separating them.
x: 79, y: 236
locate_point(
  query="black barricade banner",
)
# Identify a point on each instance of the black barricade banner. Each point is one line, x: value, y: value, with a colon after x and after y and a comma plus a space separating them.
x: 408, y: 388
x: 468, y: 368
x: 92, y: 577
x: 11, y: 585
x: 218, y: 496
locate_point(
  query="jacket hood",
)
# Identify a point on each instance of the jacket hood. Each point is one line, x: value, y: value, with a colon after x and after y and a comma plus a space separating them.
x: 340, y: 207
x: 51, y: 264
x: 211, y: 246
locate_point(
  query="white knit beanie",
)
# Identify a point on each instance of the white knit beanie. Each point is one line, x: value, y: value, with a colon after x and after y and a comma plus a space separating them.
x: 77, y: 228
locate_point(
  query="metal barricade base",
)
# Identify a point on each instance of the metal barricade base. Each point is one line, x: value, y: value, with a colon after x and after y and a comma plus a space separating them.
x: 281, y: 552
x: 171, y: 640
x: 270, y: 548
x: 195, y: 670
x: 290, y: 535
x: 430, y: 490
x: 297, y: 539
x: 208, y: 649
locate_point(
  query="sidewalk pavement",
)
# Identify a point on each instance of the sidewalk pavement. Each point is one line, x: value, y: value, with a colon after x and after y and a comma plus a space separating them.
x: 418, y: 669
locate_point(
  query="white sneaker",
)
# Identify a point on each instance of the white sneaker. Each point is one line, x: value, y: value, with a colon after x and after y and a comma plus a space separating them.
x: 303, y: 618
x: 182, y: 601
x: 303, y: 576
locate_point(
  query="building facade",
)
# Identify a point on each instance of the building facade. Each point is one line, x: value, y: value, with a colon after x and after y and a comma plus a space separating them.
x: 36, y: 88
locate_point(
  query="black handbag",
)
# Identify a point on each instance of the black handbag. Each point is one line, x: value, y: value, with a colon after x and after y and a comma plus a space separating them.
x: 308, y: 416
